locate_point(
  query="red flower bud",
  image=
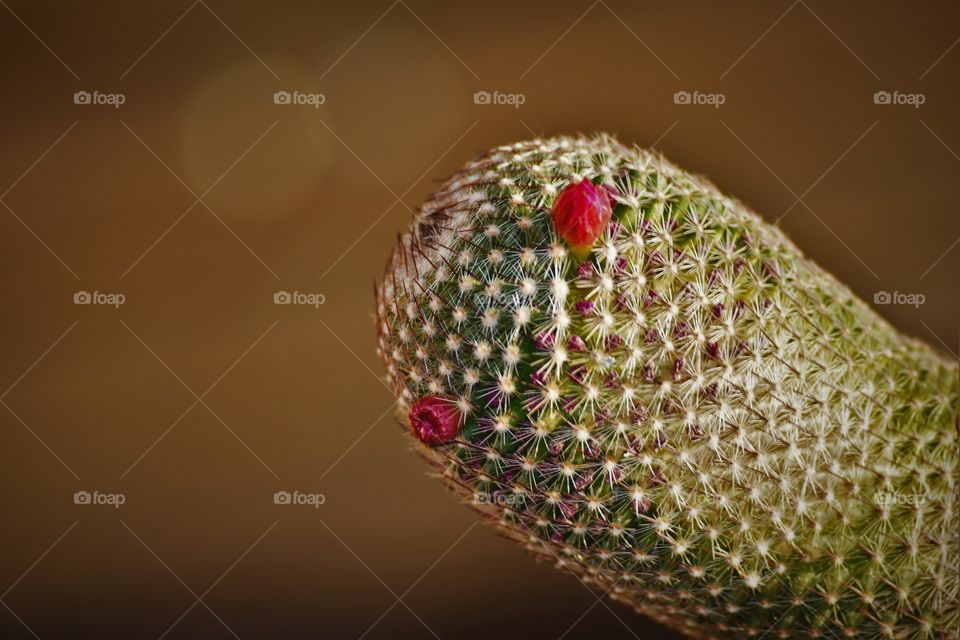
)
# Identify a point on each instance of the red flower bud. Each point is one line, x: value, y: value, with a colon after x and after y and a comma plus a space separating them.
x: 434, y: 420
x: 581, y: 212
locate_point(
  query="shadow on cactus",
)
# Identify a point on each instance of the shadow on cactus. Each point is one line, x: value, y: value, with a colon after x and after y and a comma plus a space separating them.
x: 643, y: 382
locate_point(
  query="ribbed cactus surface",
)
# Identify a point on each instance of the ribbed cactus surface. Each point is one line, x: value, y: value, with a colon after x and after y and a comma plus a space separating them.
x: 671, y: 401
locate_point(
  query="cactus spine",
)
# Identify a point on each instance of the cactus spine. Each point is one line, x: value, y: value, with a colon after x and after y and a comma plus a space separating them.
x: 690, y: 414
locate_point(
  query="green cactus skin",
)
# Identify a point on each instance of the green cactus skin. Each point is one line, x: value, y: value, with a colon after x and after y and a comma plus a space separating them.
x: 733, y: 444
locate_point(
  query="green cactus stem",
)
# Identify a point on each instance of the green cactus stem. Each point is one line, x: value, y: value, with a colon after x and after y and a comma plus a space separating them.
x: 688, y: 413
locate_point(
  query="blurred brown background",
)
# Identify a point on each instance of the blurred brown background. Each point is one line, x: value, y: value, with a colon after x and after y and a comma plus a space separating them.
x: 199, y: 198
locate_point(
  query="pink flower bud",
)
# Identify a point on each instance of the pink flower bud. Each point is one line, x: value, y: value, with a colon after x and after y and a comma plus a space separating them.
x: 434, y: 420
x: 581, y: 212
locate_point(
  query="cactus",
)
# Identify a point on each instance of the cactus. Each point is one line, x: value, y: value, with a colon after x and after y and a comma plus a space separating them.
x: 641, y: 381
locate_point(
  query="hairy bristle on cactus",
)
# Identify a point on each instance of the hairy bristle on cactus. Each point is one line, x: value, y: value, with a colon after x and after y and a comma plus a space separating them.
x: 684, y: 411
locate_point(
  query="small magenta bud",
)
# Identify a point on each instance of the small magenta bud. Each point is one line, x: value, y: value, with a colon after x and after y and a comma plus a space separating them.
x: 580, y: 214
x: 576, y: 343
x: 584, y: 306
x: 544, y: 340
x: 434, y: 420
x: 612, y: 341
x: 585, y: 271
